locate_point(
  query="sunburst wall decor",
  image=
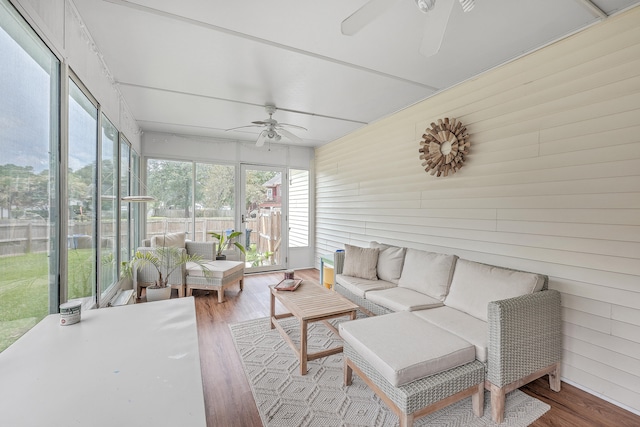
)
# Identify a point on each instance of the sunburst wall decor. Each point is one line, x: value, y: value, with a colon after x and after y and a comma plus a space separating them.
x: 444, y: 146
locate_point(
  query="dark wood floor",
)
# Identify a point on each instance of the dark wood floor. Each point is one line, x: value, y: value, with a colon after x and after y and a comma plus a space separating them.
x: 228, y: 398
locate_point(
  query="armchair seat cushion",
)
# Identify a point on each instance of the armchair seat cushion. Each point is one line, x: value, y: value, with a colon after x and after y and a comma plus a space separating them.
x: 467, y: 327
x: 403, y: 348
x: 402, y: 299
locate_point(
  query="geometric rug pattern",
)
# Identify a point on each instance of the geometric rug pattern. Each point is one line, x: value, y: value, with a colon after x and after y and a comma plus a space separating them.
x: 287, y: 399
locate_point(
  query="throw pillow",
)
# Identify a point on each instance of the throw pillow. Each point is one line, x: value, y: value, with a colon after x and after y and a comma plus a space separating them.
x: 390, y: 261
x: 360, y: 262
x: 475, y: 285
x: 427, y: 272
x: 172, y: 240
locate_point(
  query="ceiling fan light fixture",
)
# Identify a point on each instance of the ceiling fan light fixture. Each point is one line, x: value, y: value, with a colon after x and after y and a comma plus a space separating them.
x: 426, y: 5
x: 467, y: 5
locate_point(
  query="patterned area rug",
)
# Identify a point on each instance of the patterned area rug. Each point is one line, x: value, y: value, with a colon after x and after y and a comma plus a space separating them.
x: 285, y: 398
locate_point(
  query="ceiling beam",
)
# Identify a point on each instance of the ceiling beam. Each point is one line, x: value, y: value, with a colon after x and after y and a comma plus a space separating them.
x: 191, y: 21
x: 199, y: 95
x: 593, y: 8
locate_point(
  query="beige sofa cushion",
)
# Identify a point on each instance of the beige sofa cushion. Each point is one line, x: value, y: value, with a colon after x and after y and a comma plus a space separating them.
x: 475, y: 285
x: 172, y: 240
x: 390, y: 261
x: 402, y: 299
x: 404, y: 348
x: 360, y: 287
x: 360, y: 262
x: 427, y: 272
x: 465, y: 326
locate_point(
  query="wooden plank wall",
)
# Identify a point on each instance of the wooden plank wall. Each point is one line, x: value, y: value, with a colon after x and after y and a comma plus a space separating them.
x: 551, y: 185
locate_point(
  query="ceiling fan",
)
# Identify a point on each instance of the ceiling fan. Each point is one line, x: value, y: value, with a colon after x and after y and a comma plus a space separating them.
x: 437, y: 11
x: 273, y: 131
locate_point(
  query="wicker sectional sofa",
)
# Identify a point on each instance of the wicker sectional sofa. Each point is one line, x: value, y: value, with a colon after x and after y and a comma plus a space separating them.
x: 509, y: 318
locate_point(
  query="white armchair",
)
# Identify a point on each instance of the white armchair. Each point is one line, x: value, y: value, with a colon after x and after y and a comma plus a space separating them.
x: 147, y: 275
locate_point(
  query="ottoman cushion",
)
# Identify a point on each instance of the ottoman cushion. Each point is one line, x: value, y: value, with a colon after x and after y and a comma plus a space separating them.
x: 217, y: 269
x: 403, y: 348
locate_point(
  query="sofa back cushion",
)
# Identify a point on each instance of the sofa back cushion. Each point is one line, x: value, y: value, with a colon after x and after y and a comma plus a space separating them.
x: 475, y: 285
x: 360, y: 262
x: 390, y: 261
x: 427, y: 272
x: 173, y: 240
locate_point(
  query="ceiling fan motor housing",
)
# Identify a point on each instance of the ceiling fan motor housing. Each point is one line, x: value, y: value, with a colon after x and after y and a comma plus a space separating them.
x: 425, y: 5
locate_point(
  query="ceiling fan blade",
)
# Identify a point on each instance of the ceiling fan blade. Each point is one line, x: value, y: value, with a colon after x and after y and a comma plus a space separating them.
x: 279, y: 125
x: 292, y: 137
x: 363, y: 16
x: 241, y: 127
x: 260, y: 122
x: 436, y: 25
x: 261, y: 138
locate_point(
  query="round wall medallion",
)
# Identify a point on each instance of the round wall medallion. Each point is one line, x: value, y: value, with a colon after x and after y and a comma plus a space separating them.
x: 444, y: 146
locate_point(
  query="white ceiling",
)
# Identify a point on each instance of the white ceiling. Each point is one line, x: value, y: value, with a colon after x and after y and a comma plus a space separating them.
x: 198, y: 67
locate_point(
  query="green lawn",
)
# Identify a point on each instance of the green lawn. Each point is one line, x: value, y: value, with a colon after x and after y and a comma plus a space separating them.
x: 24, y: 290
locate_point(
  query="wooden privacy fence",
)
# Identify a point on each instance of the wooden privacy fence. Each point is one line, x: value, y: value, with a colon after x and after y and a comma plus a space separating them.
x: 265, y: 230
x: 22, y: 237
x: 269, y: 232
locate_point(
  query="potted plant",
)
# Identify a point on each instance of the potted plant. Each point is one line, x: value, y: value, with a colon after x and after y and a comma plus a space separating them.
x: 165, y: 260
x: 224, y: 242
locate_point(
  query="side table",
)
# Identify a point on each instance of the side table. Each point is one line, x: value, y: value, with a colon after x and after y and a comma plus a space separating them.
x: 326, y: 271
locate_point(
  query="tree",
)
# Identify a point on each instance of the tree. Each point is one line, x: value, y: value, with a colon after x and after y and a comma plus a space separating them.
x: 215, y: 185
x: 170, y: 183
x: 255, y: 191
x: 22, y: 189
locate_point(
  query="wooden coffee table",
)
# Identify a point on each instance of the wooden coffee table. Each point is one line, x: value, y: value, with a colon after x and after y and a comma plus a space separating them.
x: 310, y: 303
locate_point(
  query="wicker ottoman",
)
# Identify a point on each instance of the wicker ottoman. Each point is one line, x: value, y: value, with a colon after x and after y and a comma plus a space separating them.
x: 220, y: 275
x: 416, y: 368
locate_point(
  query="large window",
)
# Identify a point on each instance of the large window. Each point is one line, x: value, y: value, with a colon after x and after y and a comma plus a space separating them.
x: 215, y: 200
x: 108, y: 205
x: 135, y: 208
x: 125, y: 190
x: 171, y: 184
x: 82, y: 203
x: 29, y: 117
x: 53, y: 249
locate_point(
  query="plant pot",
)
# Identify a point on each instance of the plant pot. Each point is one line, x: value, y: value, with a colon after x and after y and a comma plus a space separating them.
x: 158, y: 294
x: 221, y: 257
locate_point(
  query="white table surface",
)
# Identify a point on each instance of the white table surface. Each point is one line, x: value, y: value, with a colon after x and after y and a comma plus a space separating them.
x: 135, y: 365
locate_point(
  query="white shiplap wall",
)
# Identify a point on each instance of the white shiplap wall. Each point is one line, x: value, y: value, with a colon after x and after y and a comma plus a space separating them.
x: 551, y: 185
